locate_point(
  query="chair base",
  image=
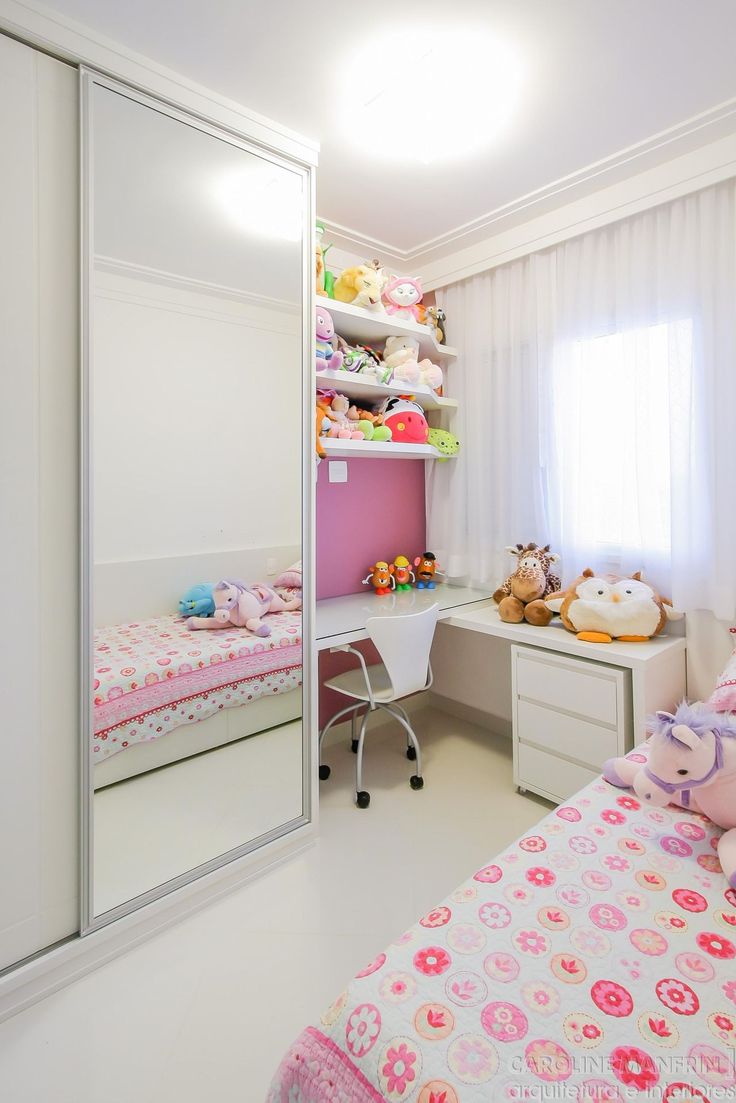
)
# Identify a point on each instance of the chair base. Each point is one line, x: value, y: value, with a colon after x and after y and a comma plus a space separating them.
x: 413, y: 751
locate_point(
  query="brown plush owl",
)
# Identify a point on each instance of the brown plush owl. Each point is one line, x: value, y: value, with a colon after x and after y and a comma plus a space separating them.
x: 600, y: 610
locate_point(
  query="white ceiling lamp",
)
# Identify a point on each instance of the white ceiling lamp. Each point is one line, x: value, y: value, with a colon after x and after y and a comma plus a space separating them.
x: 425, y: 95
x: 262, y: 201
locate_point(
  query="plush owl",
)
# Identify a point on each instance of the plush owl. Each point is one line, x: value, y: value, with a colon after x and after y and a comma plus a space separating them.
x: 600, y: 610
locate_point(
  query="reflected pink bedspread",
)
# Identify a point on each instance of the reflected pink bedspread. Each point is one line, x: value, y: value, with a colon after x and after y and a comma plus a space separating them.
x: 151, y: 676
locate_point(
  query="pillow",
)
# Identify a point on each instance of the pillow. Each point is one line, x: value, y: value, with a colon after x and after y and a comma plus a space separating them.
x: 292, y: 577
x: 723, y: 697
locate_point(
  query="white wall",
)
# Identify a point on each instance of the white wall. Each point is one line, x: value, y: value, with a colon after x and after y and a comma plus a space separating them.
x: 39, y: 501
x: 197, y: 420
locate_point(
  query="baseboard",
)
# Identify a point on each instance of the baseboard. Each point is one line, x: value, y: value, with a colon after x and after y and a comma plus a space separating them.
x: 496, y: 724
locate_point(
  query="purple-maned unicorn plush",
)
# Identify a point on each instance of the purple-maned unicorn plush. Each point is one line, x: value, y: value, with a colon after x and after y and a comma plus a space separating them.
x: 244, y: 606
x: 691, y: 762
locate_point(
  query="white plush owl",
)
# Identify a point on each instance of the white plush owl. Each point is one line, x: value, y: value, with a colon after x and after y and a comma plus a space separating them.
x: 603, y: 609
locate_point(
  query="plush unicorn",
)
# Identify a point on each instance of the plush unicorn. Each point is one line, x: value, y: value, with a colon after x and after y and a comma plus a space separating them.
x: 691, y: 762
x: 244, y: 607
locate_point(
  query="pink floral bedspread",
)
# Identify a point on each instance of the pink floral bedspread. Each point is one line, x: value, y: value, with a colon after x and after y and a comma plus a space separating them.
x: 152, y: 676
x: 594, y: 960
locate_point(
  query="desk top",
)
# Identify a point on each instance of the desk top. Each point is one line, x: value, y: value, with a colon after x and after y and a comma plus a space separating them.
x: 342, y: 619
x: 555, y: 637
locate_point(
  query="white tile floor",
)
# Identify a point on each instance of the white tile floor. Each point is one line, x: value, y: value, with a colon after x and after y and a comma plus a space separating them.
x: 205, y: 1010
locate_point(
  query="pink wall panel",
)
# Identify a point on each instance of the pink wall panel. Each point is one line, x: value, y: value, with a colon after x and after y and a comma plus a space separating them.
x: 377, y: 514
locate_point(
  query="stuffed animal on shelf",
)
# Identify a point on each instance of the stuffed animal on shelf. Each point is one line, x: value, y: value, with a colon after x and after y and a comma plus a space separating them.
x: 403, y: 574
x: 427, y: 568
x: 243, y: 606
x: 370, y: 424
x: 360, y: 286
x: 522, y: 595
x: 444, y: 442
x: 328, y: 356
x: 436, y: 319
x: 364, y: 360
x: 324, y: 280
x: 323, y: 420
x: 600, y: 610
x: 430, y: 374
x: 381, y: 577
x: 342, y: 427
x: 198, y: 601
x: 401, y: 296
x: 401, y: 358
x: 690, y: 761
x: 405, y: 418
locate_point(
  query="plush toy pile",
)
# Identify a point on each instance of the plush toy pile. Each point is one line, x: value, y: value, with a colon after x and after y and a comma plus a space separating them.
x: 371, y: 287
x: 397, y: 362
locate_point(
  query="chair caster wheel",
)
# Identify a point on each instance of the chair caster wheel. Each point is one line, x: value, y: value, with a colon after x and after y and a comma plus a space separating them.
x: 416, y: 782
x: 411, y: 753
x: 324, y: 773
x: 354, y: 746
x: 362, y: 799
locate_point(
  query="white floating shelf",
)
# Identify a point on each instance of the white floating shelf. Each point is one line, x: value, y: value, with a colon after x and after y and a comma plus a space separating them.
x: 387, y: 450
x: 361, y: 326
x: 366, y: 392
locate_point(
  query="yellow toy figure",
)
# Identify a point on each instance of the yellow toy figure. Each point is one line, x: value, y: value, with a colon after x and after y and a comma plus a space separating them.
x: 362, y: 286
x: 403, y: 573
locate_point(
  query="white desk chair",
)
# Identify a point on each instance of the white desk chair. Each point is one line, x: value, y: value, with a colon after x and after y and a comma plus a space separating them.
x: 404, y: 643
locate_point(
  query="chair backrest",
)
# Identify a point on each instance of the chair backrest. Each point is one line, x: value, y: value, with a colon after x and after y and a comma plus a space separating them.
x: 404, y: 643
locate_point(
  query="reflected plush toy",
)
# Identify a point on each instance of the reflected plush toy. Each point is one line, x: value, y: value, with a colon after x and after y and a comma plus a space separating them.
x: 521, y: 597
x: 600, y: 610
x: 691, y: 762
x: 198, y: 601
x: 242, y: 606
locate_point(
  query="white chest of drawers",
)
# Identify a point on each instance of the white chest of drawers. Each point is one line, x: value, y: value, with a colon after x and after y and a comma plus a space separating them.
x: 569, y: 716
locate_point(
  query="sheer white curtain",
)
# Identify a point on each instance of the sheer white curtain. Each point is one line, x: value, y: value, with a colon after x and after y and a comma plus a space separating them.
x: 597, y: 383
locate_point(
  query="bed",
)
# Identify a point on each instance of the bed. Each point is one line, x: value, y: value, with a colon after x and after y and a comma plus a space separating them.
x: 161, y: 691
x: 594, y: 960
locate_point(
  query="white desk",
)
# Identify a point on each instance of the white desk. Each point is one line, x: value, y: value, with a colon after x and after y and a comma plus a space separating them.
x: 342, y: 620
x: 575, y: 704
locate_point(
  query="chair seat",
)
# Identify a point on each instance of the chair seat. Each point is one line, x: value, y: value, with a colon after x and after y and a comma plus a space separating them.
x: 352, y: 684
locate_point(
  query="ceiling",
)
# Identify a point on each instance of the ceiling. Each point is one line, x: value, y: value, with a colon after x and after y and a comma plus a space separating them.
x: 600, y: 77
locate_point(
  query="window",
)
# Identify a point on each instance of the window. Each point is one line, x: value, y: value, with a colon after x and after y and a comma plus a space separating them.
x: 616, y: 399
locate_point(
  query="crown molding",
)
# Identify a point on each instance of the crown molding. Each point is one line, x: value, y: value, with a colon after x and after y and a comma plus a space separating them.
x: 694, y: 132
x: 68, y: 40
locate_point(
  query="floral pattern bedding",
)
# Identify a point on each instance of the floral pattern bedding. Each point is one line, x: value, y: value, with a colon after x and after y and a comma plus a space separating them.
x: 154, y: 675
x: 595, y: 960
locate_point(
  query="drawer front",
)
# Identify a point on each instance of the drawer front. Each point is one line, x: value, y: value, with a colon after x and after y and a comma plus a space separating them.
x: 549, y: 775
x: 564, y: 685
x: 589, y: 743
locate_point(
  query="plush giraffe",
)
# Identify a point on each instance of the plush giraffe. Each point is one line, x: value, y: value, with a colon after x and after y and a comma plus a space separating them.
x: 522, y: 595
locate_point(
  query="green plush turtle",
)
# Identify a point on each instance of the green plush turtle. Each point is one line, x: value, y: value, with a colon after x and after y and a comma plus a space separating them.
x: 444, y: 442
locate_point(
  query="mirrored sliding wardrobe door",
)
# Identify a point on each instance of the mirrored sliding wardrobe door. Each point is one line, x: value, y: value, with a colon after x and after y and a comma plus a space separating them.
x: 195, y: 319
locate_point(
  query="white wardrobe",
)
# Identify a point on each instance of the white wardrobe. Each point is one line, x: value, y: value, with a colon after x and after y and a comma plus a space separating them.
x: 39, y: 501
x: 63, y: 123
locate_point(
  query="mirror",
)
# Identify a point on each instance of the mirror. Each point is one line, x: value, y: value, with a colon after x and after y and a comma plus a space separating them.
x: 195, y: 270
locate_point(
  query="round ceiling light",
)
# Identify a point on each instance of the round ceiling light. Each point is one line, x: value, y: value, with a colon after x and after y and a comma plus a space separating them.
x: 427, y: 95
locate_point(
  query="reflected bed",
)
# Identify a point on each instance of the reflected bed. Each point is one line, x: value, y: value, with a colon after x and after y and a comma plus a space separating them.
x: 155, y: 678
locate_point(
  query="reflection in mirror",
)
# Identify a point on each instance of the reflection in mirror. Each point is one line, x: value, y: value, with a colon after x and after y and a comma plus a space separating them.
x: 195, y: 451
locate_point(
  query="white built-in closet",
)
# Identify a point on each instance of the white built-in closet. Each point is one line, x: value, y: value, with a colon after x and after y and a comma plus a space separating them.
x: 39, y: 357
